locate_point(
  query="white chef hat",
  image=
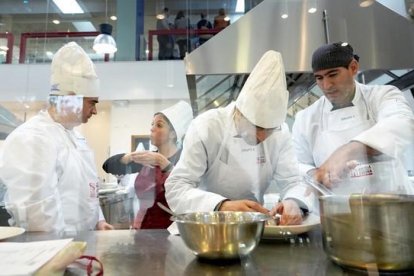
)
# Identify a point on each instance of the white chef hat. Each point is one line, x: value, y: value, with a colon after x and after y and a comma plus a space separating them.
x: 264, y: 97
x: 72, y: 71
x: 180, y: 116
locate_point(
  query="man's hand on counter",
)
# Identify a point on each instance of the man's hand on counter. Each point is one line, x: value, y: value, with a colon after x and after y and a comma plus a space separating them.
x: 243, y: 205
x: 290, y: 211
x: 103, y: 225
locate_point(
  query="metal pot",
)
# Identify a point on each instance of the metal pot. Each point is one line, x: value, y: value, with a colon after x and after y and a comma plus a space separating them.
x: 369, y: 231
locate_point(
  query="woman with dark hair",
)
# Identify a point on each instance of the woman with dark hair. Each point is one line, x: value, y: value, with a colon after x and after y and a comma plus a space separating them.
x: 167, y: 130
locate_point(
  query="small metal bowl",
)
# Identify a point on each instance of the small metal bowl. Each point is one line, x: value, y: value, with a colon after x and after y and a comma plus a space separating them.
x: 221, y: 235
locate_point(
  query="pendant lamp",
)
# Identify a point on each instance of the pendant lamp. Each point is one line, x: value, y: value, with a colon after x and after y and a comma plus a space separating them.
x: 105, y: 43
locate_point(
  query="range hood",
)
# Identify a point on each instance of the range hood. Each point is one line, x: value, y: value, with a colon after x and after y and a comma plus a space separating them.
x: 382, y: 38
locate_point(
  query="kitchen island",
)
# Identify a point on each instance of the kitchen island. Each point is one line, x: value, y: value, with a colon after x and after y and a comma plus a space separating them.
x: 156, y: 252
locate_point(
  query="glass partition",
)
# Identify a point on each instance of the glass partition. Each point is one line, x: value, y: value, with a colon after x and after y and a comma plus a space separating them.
x: 134, y: 26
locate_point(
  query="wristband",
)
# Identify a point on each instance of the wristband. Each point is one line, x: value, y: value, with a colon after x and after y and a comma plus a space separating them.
x: 218, y: 206
x: 169, y: 167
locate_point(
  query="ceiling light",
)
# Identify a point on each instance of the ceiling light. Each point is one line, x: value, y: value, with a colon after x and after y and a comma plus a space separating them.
x: 84, y: 26
x: 312, y: 6
x: 160, y: 16
x: 56, y: 22
x: 284, y: 8
x: 68, y: 6
x: 105, y: 43
x: 366, y: 3
x: 113, y: 18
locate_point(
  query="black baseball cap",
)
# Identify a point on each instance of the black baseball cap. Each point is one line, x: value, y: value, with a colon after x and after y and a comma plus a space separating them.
x: 338, y: 54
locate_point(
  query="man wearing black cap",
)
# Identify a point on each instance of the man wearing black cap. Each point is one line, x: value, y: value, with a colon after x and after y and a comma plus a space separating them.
x: 352, y: 123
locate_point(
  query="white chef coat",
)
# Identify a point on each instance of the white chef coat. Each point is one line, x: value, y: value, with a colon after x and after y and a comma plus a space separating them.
x: 51, y: 177
x: 217, y: 165
x: 380, y: 118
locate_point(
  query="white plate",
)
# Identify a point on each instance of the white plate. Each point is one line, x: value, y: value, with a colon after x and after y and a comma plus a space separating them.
x: 108, y: 186
x: 8, y: 232
x: 107, y: 191
x: 286, y: 231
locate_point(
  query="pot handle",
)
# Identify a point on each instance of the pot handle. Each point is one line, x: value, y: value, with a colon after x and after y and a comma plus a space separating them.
x: 318, y: 186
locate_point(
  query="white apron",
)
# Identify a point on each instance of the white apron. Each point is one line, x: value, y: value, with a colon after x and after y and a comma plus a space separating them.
x: 78, y: 187
x: 339, y: 128
x: 239, y: 171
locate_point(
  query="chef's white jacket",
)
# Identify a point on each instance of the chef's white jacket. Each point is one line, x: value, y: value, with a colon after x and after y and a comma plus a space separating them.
x: 392, y: 133
x: 50, y: 176
x: 193, y: 185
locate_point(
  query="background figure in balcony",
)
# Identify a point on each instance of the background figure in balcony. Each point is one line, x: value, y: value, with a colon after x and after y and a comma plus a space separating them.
x: 220, y: 21
x: 183, y: 41
x: 165, y: 42
x: 204, y: 24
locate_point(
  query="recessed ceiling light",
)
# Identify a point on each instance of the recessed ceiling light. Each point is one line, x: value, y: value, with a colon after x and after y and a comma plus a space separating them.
x: 366, y: 3
x: 113, y: 18
x: 285, y: 15
x: 57, y: 22
x: 68, y: 6
x: 84, y: 26
x: 312, y: 10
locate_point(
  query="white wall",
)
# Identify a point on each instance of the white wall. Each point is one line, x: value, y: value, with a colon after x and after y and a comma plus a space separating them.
x: 143, y: 80
x: 133, y: 119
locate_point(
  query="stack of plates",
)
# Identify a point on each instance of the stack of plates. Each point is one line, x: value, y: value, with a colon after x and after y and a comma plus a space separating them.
x: 108, y: 188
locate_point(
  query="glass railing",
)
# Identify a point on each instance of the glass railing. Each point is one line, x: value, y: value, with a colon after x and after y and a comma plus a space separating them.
x: 31, y: 31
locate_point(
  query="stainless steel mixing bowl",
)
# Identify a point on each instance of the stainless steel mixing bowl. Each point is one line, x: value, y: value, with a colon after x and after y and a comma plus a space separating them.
x: 221, y: 235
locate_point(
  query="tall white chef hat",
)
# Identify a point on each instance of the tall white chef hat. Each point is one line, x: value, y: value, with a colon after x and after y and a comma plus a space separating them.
x: 72, y: 71
x: 180, y: 116
x: 264, y: 97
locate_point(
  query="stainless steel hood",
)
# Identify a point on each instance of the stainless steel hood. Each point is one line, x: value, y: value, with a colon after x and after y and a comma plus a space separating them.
x: 382, y: 38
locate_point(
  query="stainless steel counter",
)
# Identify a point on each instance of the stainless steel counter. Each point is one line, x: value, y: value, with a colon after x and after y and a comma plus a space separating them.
x: 155, y: 252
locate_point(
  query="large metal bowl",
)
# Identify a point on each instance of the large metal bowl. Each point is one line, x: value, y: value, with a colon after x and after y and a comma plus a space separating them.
x: 221, y: 235
x: 369, y: 231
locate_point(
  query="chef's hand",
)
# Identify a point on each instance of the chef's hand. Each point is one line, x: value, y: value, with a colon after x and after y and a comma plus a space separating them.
x: 243, y: 205
x: 341, y: 161
x: 147, y: 158
x: 290, y: 211
x: 103, y: 225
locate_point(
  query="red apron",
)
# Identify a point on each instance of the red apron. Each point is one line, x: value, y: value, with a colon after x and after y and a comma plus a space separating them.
x: 149, y: 187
